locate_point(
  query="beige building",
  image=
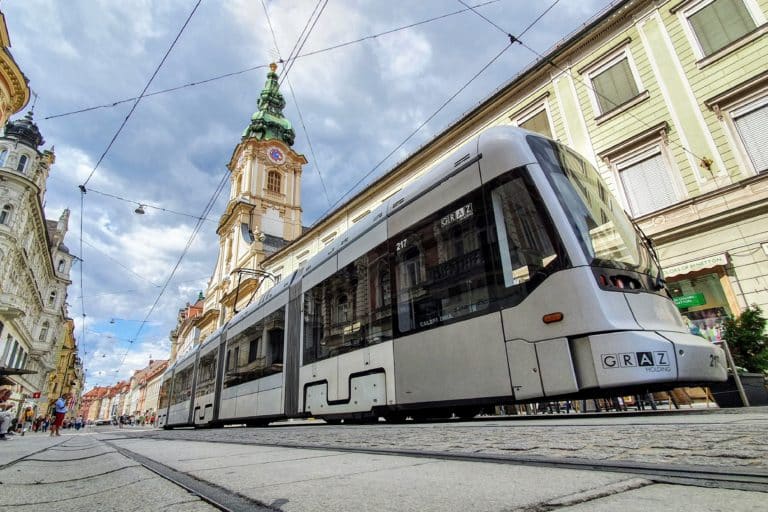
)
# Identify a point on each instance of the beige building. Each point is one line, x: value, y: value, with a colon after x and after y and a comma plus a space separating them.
x: 68, y: 378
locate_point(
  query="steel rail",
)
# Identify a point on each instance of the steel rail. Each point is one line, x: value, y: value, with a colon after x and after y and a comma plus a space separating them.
x: 748, y: 479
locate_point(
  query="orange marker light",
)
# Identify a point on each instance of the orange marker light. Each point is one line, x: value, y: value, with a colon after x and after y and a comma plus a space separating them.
x: 552, y: 317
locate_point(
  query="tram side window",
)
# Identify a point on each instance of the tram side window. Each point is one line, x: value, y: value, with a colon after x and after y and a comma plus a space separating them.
x: 349, y: 310
x: 528, y: 249
x: 182, y: 386
x: 206, y: 374
x: 163, y: 398
x: 249, y: 357
x: 442, y: 267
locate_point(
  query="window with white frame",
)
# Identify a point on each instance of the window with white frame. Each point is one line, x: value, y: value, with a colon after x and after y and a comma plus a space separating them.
x: 22, y: 165
x: 751, y: 125
x: 714, y: 24
x: 614, y: 83
x: 646, y: 181
x: 3, y: 156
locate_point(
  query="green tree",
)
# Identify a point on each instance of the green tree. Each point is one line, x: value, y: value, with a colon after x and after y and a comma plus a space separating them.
x: 746, y: 337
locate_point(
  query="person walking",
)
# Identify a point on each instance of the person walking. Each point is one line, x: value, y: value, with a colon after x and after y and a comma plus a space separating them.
x: 5, y: 412
x: 29, y: 417
x: 60, y: 406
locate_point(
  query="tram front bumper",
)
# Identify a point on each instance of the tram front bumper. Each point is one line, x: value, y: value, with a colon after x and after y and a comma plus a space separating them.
x: 629, y: 358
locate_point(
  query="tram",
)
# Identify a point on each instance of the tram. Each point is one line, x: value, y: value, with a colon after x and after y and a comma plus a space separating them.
x: 506, y: 274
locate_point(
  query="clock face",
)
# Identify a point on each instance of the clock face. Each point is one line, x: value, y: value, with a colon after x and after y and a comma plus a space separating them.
x: 276, y: 155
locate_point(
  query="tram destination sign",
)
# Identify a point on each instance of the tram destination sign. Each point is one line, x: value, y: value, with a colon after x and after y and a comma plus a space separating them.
x: 689, y: 301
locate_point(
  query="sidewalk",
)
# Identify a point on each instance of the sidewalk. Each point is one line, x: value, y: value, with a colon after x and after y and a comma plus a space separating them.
x: 83, y: 471
x: 78, y: 472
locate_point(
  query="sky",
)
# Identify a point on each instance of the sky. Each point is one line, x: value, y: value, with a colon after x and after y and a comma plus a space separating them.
x: 351, y: 106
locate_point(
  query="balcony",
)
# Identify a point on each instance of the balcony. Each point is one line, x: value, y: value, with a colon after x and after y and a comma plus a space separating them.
x: 11, y: 306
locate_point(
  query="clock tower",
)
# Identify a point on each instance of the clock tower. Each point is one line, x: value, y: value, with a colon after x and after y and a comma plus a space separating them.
x: 264, y: 209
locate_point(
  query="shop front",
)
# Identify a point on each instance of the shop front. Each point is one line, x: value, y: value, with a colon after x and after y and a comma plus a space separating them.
x: 702, y: 292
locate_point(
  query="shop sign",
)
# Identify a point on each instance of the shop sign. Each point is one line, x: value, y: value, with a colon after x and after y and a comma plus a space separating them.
x: 689, y: 301
x: 692, y: 266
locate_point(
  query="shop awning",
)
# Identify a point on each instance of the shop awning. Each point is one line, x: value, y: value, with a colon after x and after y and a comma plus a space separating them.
x: 695, y: 265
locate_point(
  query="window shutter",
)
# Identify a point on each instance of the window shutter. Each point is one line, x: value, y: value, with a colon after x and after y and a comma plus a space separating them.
x: 648, y: 185
x: 720, y: 23
x: 614, y: 86
x: 753, y: 130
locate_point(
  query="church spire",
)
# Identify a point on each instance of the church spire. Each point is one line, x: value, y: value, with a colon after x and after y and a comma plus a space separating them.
x: 268, y: 123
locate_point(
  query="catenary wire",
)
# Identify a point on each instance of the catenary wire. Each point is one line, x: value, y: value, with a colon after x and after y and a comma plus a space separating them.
x: 143, y: 92
x: 303, y: 42
x: 264, y: 66
x: 195, y: 231
x: 414, y: 132
x: 552, y: 63
x: 295, y: 102
x: 149, y: 205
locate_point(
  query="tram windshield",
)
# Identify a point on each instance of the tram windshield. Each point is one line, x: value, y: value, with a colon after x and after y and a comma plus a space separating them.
x: 605, y: 232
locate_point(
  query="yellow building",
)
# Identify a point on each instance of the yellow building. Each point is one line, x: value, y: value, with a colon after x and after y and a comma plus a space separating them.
x: 68, y: 375
x: 14, y: 91
x: 669, y: 100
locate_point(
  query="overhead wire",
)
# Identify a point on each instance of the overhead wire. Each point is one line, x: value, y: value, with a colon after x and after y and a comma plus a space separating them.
x: 296, y: 103
x: 585, y: 83
x: 211, y: 202
x: 143, y: 92
x: 264, y: 66
x: 301, y: 42
x: 149, y: 205
x: 418, y: 128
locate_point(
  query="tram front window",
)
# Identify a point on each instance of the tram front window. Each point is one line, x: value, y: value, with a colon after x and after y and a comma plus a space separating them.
x: 605, y: 232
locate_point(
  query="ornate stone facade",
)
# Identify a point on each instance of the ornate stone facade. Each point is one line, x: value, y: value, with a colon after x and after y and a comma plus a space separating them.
x: 34, y: 267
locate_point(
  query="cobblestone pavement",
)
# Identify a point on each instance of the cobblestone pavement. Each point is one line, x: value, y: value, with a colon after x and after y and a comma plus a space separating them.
x: 715, y: 438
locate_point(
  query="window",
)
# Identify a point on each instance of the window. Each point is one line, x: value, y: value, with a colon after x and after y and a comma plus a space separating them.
x: 3, y: 156
x: 52, y: 299
x: 12, y: 358
x: 206, y: 373
x: 43, y: 337
x: 260, y: 361
x: 346, y: 312
x: 614, y: 84
x: 5, y: 214
x: 182, y: 385
x: 61, y: 266
x: 22, y: 166
x: 717, y: 23
x: 538, y: 122
x: 750, y: 122
x: 273, y: 182
x: 647, y: 182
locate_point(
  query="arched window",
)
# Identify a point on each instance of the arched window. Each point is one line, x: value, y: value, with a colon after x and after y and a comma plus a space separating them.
x: 342, y: 310
x: 22, y: 163
x: 5, y: 214
x: 52, y: 299
x: 61, y: 266
x: 44, y: 332
x: 273, y: 181
x: 3, y: 156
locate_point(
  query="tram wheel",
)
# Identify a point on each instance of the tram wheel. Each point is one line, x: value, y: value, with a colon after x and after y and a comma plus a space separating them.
x: 332, y: 421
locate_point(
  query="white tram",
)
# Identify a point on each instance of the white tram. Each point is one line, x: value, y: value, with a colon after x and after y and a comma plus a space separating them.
x: 507, y: 273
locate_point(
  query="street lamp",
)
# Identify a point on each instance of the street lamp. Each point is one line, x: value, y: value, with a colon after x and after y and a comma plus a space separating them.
x: 140, y: 210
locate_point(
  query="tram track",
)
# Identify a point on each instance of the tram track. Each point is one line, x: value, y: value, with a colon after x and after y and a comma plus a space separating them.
x: 738, y: 478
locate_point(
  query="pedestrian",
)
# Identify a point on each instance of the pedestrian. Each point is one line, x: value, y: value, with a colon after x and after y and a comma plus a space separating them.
x: 29, y: 417
x: 60, y: 406
x: 46, y: 423
x: 5, y: 412
x: 78, y: 423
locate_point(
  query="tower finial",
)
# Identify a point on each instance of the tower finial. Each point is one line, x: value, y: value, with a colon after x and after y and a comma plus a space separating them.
x: 273, y: 67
